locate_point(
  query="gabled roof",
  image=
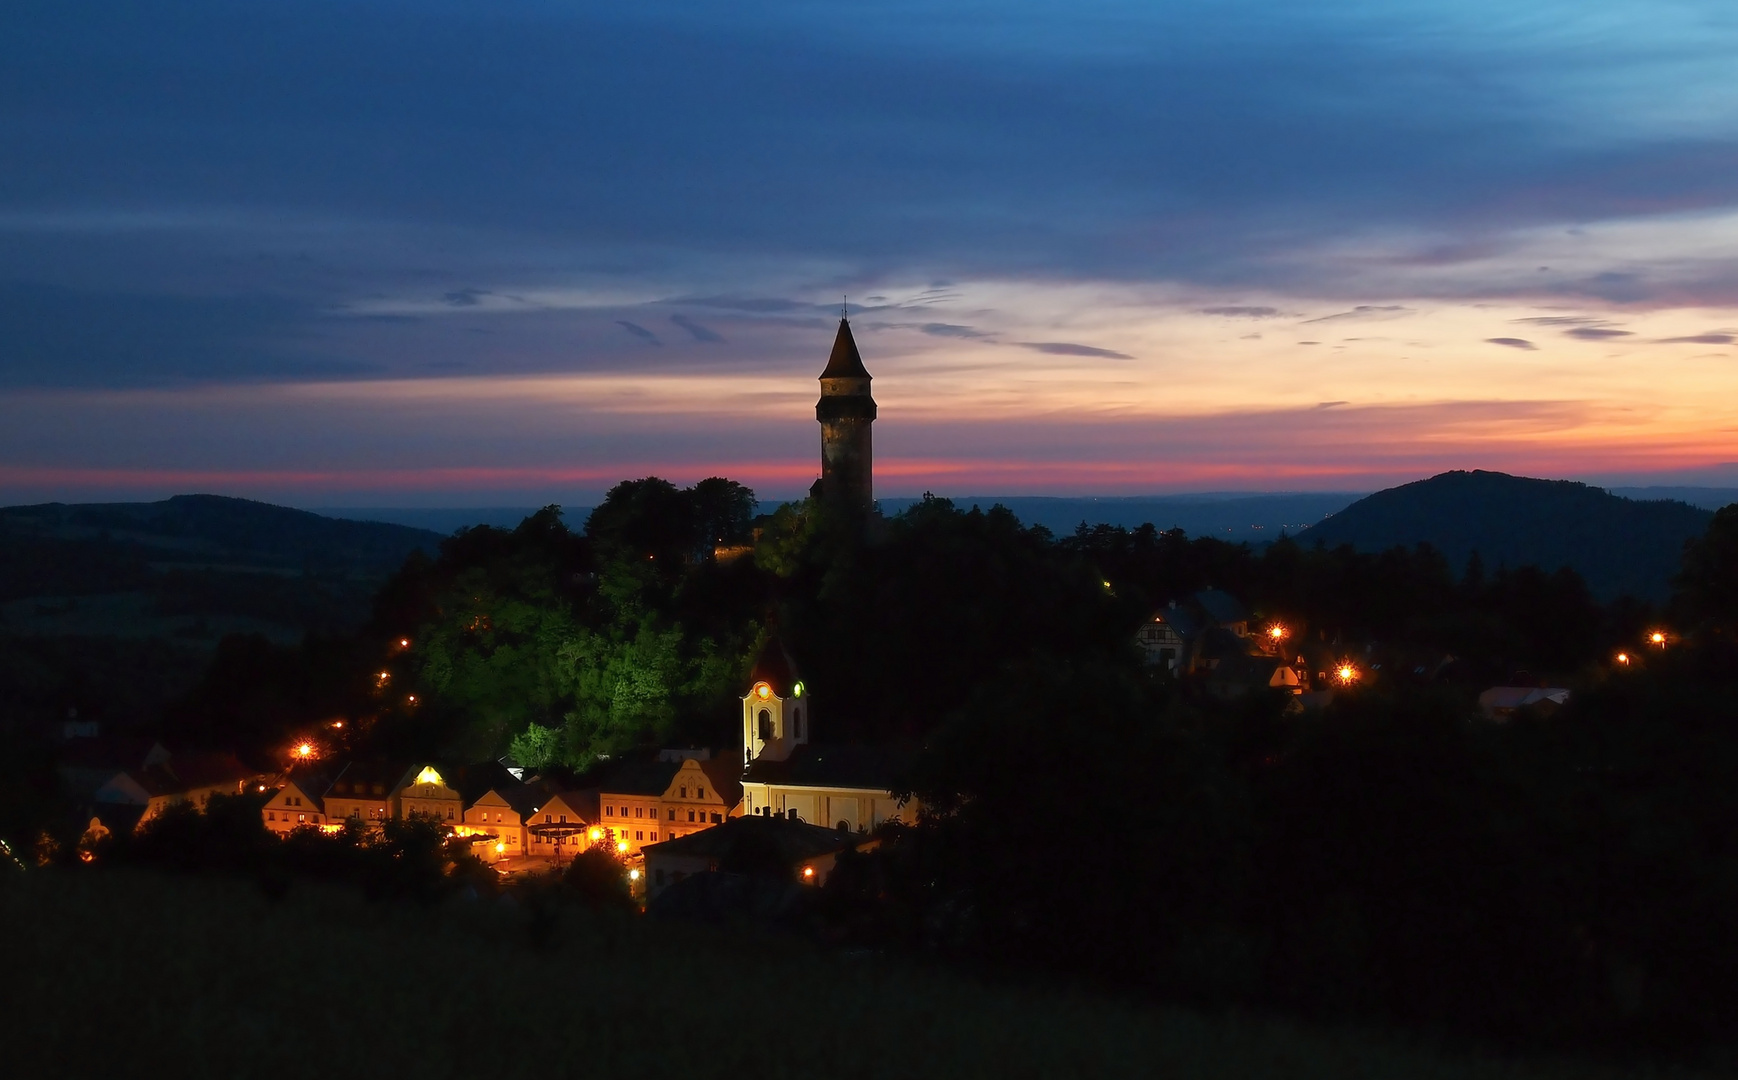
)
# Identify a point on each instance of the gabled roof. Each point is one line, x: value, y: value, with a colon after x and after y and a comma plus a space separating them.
x: 873, y: 768
x: 845, y: 362
x: 726, y: 777
x: 208, y: 768
x: 357, y: 780
x: 1221, y: 607
x: 791, y: 841
x: 639, y: 778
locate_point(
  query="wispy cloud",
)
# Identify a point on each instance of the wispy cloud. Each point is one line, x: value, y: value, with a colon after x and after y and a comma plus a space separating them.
x: 699, y: 332
x: 1596, y: 333
x: 1241, y: 311
x: 1697, y: 339
x: 1068, y: 348
x: 638, y: 331
x: 1365, y: 311
x: 1512, y: 342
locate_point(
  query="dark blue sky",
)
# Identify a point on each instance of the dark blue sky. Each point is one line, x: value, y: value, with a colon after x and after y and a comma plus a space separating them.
x: 439, y: 251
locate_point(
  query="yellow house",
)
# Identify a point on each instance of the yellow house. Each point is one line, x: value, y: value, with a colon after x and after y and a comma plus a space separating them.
x: 703, y: 792
x: 561, y: 828
x: 299, y: 803
x: 496, y: 823
x: 631, y: 804
x: 428, y: 796
x: 366, y: 792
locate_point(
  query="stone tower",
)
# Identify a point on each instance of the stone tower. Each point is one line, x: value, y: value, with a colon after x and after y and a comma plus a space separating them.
x: 846, y: 412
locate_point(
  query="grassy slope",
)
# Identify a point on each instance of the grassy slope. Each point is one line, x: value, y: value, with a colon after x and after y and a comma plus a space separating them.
x: 136, y: 975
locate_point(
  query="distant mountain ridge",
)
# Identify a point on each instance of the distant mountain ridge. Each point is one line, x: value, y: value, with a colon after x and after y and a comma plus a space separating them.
x: 1617, y: 545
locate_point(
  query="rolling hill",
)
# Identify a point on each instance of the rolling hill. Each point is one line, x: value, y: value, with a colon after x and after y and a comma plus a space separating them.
x: 1618, y: 545
x: 191, y: 567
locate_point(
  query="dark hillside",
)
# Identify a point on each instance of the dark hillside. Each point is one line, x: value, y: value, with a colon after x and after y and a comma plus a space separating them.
x: 1617, y: 545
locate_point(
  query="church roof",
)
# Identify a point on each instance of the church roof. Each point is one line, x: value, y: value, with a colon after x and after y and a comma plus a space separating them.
x: 845, y: 362
x: 775, y: 667
x: 873, y: 768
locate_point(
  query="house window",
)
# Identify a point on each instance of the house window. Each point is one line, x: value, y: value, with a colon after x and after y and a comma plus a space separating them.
x: 797, y: 724
x: 690, y: 815
x: 699, y: 793
x: 717, y: 819
x: 639, y: 811
x: 684, y: 793
x: 765, y: 719
x: 654, y: 836
x: 609, y: 811
x: 271, y: 816
x: 640, y: 834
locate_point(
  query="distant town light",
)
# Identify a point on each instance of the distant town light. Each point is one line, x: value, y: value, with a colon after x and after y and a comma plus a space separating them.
x: 404, y: 643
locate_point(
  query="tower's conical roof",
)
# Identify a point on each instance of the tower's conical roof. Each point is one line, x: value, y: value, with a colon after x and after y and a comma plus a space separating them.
x: 775, y: 667
x: 846, y: 362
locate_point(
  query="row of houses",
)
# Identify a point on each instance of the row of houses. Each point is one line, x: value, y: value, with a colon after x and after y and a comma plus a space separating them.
x: 508, y: 818
x: 529, y: 822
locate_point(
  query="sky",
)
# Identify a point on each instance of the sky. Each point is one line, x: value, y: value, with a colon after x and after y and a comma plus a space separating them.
x: 432, y: 253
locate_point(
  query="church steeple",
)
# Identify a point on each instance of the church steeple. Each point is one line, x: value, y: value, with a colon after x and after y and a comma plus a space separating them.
x: 846, y: 411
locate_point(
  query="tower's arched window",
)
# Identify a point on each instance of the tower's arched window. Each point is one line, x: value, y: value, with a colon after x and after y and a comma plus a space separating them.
x: 765, y: 719
x: 796, y: 723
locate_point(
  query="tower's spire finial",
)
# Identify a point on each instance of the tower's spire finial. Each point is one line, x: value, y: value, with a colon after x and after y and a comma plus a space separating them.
x: 844, y: 307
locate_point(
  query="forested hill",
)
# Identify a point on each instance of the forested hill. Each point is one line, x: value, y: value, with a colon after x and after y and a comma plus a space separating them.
x: 192, y: 567
x: 1618, y: 545
x: 213, y: 528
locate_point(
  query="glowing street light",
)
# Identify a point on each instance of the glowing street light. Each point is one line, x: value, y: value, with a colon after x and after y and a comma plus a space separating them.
x: 1623, y: 658
x: 1346, y: 673
x: 304, y: 751
x: 1276, y: 633
x: 622, y: 847
x: 1657, y: 639
x: 633, y: 875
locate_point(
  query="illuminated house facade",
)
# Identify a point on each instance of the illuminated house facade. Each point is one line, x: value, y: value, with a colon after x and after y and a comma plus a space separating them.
x: 563, y: 826
x: 367, y: 793
x: 299, y: 803
x: 428, y: 796
x: 496, y: 822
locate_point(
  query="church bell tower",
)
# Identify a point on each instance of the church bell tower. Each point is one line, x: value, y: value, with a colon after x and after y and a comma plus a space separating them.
x: 846, y: 412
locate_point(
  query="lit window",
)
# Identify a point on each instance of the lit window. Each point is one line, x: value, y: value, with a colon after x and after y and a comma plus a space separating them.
x: 609, y: 811
x: 654, y: 836
x: 640, y: 835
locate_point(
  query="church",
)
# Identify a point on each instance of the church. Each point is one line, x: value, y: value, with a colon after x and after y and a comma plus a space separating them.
x: 787, y: 771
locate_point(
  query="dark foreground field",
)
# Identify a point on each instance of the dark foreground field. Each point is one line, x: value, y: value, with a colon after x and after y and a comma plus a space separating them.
x: 134, y: 975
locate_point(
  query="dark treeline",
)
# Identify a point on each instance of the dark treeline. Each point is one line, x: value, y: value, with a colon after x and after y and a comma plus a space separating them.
x: 1390, y: 858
